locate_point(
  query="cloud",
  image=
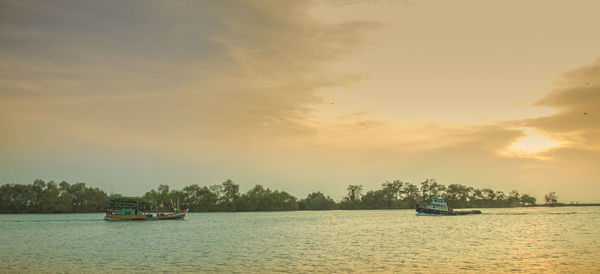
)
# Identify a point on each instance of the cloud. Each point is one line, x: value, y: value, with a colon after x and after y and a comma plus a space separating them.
x: 577, y: 121
x: 197, y: 72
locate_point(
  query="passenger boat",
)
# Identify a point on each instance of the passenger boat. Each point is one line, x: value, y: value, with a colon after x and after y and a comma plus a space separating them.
x: 439, y: 207
x: 137, y: 209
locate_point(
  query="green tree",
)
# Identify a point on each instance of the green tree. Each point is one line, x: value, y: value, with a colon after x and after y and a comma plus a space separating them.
x: 281, y: 200
x: 430, y: 188
x: 500, y: 199
x: 527, y: 200
x: 374, y: 199
x: 354, y: 192
x: 256, y: 199
x: 200, y: 199
x: 514, y: 198
x: 551, y: 198
x: 391, y: 194
x: 260, y: 199
x: 5, y: 198
x: 50, y: 198
x: 230, y: 196
x: 37, y: 189
x: 317, y: 201
x: 489, y: 197
x: 353, y: 199
x: 163, y: 196
x: 457, y: 195
x: 476, y: 198
x: 411, y: 195
x: 151, y: 196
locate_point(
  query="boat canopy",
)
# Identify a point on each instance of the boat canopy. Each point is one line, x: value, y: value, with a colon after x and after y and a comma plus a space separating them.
x: 128, y: 202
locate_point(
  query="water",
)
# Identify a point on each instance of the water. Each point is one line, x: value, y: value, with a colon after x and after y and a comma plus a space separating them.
x: 565, y: 239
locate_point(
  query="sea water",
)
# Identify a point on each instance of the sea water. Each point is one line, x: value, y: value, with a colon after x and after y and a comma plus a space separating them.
x: 561, y: 239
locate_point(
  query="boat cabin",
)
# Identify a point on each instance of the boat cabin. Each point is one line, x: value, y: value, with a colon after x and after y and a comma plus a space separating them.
x: 437, y: 204
x: 134, y: 208
x: 127, y: 206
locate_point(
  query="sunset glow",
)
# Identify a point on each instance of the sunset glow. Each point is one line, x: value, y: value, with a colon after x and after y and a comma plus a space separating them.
x: 533, y: 144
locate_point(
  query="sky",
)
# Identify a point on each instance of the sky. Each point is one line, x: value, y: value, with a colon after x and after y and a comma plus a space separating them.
x: 302, y: 96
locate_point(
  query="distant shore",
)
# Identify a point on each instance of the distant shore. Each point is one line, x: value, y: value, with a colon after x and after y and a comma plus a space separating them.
x: 563, y: 204
x: 52, y: 197
x: 559, y: 205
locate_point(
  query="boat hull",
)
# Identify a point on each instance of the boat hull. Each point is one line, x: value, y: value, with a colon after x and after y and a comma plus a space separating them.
x: 146, y: 217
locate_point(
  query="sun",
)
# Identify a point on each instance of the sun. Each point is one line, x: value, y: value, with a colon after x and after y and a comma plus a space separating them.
x: 533, y: 144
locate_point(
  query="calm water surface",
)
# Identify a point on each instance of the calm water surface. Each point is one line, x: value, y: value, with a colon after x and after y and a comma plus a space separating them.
x: 563, y: 239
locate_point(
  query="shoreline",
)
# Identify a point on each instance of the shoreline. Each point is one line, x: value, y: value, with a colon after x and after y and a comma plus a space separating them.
x: 558, y: 205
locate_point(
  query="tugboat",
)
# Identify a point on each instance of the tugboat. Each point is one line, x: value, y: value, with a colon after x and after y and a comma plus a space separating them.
x: 137, y: 209
x: 439, y: 207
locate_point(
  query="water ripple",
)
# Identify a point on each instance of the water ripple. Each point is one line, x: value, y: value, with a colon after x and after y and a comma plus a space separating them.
x: 500, y: 240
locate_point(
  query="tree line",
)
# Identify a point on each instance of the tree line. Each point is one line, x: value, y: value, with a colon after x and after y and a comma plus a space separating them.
x: 403, y: 195
x: 42, y: 197
x: 51, y: 197
x: 224, y: 197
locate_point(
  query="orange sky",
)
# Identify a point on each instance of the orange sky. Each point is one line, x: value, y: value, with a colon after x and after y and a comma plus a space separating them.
x: 302, y: 96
